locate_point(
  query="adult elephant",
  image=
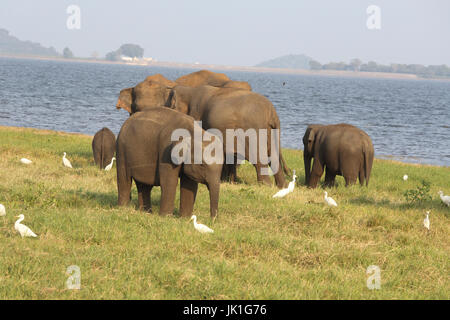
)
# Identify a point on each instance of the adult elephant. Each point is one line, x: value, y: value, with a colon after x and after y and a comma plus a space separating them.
x: 155, y: 89
x: 341, y: 149
x: 144, y: 154
x: 152, y: 92
x: 229, y: 108
x: 103, y: 147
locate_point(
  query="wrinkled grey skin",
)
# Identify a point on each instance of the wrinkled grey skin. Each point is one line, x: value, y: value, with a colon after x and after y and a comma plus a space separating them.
x: 230, y: 108
x: 144, y: 150
x: 340, y: 149
x: 103, y: 147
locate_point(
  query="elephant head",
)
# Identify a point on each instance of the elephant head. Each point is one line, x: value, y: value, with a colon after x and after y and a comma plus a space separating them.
x: 125, y: 99
x: 308, y: 150
x: 203, y: 77
x: 238, y: 85
x: 153, y: 91
x: 180, y: 99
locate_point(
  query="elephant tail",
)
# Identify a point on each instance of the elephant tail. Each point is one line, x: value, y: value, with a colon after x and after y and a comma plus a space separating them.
x: 102, y: 149
x: 275, y: 124
x: 368, y: 160
x: 286, y: 170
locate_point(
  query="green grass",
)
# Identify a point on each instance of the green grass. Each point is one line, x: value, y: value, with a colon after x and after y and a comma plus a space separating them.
x: 262, y: 248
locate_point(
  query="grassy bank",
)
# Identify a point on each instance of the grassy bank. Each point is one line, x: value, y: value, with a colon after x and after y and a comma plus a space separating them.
x: 262, y: 248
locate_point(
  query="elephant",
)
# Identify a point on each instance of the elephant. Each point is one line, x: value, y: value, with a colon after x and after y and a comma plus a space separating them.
x: 341, y: 149
x: 155, y: 90
x: 103, y: 147
x: 229, y: 108
x: 151, y: 92
x: 144, y: 154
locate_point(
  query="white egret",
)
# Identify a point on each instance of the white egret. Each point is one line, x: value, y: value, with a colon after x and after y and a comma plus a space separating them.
x: 201, y: 227
x: 109, y: 166
x: 25, y: 161
x: 405, y: 177
x: 445, y: 199
x: 23, y: 229
x: 426, y: 221
x: 66, y: 161
x: 2, y: 210
x: 330, y: 201
x: 285, y: 191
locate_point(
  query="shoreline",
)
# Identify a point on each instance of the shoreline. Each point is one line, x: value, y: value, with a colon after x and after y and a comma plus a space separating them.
x: 217, y: 67
x: 39, y: 131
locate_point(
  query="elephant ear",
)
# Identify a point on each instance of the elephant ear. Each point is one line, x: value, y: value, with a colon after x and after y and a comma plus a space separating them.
x: 178, y: 103
x: 125, y: 99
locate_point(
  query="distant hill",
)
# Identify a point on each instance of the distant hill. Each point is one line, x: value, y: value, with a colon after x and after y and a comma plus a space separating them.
x: 10, y: 45
x: 292, y: 61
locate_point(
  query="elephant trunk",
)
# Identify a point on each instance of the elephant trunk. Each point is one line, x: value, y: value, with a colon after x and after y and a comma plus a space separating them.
x: 214, y: 190
x: 307, y: 161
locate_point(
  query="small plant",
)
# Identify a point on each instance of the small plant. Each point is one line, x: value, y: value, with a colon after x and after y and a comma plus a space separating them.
x: 418, y: 195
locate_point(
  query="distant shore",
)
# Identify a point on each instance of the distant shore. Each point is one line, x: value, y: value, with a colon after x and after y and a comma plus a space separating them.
x: 166, y: 64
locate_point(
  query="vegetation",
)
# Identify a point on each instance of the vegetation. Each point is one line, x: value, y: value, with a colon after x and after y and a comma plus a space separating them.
x: 67, y: 53
x: 13, y: 46
x: 262, y: 248
x: 127, y: 50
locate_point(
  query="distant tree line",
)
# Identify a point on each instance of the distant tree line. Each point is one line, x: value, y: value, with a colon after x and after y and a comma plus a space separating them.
x: 127, y: 50
x: 371, y: 66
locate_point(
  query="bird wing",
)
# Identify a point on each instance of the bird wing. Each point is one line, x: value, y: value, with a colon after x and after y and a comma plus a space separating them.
x: 205, y: 229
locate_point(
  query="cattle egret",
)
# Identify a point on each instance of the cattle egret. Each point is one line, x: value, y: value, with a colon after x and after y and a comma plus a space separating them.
x: 2, y: 210
x: 445, y: 199
x: 330, y: 201
x: 426, y: 221
x: 109, y: 166
x: 201, y: 227
x: 23, y: 229
x: 405, y: 177
x: 66, y: 161
x: 285, y: 191
x: 25, y: 161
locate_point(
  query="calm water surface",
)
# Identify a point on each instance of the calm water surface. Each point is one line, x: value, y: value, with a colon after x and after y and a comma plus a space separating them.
x: 408, y: 120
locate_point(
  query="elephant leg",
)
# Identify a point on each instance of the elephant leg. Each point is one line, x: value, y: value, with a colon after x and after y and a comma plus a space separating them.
x: 123, y: 187
x: 350, y: 178
x: 330, y: 178
x: 316, y: 173
x: 280, y: 179
x: 262, y: 178
x: 361, y: 176
x: 169, y: 181
x: 144, y: 196
x: 188, y: 192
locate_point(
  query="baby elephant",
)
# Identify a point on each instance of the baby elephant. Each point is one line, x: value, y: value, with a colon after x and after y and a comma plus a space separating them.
x: 145, y: 154
x: 103, y: 147
x: 341, y: 149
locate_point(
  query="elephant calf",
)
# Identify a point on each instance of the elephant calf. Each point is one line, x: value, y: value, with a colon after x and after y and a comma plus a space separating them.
x: 103, y: 147
x: 341, y: 149
x: 144, y: 154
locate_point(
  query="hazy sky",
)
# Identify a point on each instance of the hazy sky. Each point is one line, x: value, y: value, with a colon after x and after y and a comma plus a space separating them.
x: 240, y: 32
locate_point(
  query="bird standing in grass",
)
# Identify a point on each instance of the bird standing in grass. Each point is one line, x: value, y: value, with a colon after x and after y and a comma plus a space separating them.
x: 25, y: 161
x: 426, y: 221
x: 405, y: 177
x: 23, y: 229
x: 330, y: 201
x: 2, y: 210
x: 445, y: 199
x: 285, y: 191
x: 201, y: 227
x: 66, y: 161
x: 109, y: 166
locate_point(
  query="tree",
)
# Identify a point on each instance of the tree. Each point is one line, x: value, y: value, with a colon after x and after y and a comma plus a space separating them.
x: 113, y: 56
x: 355, y: 64
x: 67, y: 53
x: 314, y: 65
x: 131, y: 50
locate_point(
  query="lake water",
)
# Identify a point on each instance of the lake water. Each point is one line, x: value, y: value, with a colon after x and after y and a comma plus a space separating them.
x: 408, y: 120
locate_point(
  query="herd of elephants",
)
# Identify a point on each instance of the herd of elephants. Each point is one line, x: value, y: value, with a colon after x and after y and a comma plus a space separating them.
x: 158, y: 106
